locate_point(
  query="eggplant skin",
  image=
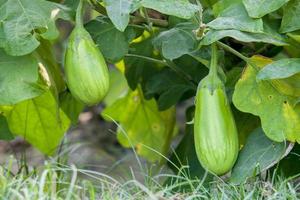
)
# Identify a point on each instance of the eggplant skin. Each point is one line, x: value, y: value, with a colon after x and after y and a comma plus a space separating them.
x: 216, y: 136
x: 85, y: 68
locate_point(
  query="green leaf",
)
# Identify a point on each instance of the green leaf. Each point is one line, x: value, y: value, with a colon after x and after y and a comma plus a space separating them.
x: 221, y: 5
x: 291, y: 19
x: 118, y: 11
x: 192, y: 67
x: 40, y: 122
x: 169, y: 87
x: 259, y: 154
x: 71, y: 107
x: 179, y: 8
x: 279, y: 114
x: 236, y: 17
x: 18, y: 78
x: 144, y: 126
x: 113, y: 43
x: 138, y: 70
x: 280, y: 69
x: 215, y: 35
x: 25, y: 20
x: 259, y: 8
x: 177, y: 41
x: 5, y: 133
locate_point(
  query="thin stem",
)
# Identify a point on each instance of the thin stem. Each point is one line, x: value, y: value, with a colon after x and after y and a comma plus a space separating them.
x: 241, y: 56
x: 213, y: 70
x: 149, y: 23
x: 98, y: 7
x: 201, y: 60
x: 233, y: 51
x: 138, y: 26
x: 161, y: 62
x: 156, y: 22
x: 79, y: 13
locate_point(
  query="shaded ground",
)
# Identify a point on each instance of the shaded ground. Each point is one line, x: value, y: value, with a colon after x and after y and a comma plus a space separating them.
x: 91, y: 145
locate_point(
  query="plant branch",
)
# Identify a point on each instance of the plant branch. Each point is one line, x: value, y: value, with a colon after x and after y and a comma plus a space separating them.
x: 98, y: 7
x: 161, y: 62
x: 201, y: 60
x: 156, y: 22
x: 233, y: 51
x: 238, y: 54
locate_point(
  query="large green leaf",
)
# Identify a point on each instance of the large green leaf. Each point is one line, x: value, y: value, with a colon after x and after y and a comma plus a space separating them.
x: 119, y: 10
x: 236, y: 17
x: 291, y: 18
x: 22, y: 21
x: 18, y: 78
x: 280, y: 69
x: 259, y: 8
x: 113, y: 43
x: 177, y: 41
x: 142, y: 125
x: 279, y: 113
x: 179, y: 8
x: 259, y: 154
x: 40, y: 122
x: 215, y: 35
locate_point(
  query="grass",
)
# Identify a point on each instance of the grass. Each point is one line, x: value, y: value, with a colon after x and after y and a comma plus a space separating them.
x: 57, y: 181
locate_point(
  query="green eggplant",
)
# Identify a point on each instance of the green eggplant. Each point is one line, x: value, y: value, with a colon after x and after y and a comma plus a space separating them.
x: 215, y: 132
x: 85, y: 68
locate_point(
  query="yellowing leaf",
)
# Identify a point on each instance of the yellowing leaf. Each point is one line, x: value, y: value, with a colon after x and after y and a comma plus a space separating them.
x: 142, y: 125
x: 279, y: 113
x: 39, y: 122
